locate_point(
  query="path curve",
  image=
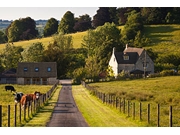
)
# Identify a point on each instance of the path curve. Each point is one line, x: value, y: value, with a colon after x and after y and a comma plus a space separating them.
x: 66, y: 113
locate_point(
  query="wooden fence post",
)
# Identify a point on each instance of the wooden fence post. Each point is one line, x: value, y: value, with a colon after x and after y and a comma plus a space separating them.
x: 148, y: 114
x: 158, y: 114
x: 140, y: 111
x: 116, y: 102
x: 170, y: 116
x: 15, y: 114
x: 8, y: 115
x: 133, y: 111
x: 128, y: 107
x: 120, y: 104
x: 0, y: 115
x: 20, y: 113
x: 24, y: 112
x: 124, y: 105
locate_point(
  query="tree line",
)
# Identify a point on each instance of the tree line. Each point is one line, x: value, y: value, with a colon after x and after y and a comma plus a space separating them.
x: 91, y: 60
x: 25, y: 28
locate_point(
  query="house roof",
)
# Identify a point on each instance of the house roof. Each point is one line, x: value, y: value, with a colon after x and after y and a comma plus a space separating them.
x: 133, y: 49
x: 133, y: 57
x: 27, y: 69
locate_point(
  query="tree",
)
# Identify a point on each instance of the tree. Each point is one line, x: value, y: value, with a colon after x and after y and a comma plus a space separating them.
x: 133, y: 25
x: 22, y: 29
x: 67, y: 23
x: 63, y: 42
x: 100, y: 42
x: 82, y: 23
x: 10, y: 56
x: 102, y: 16
x: 33, y: 53
x: 51, y: 27
x: 2, y: 37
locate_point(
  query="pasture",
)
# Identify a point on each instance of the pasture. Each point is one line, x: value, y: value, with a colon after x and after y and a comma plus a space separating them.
x: 7, y: 98
x: 76, y: 37
x: 164, y: 91
x: 98, y: 114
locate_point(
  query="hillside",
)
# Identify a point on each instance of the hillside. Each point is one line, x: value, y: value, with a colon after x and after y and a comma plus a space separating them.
x: 164, y: 39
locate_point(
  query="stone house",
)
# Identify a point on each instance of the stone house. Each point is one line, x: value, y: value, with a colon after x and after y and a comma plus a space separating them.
x: 41, y: 73
x: 131, y: 60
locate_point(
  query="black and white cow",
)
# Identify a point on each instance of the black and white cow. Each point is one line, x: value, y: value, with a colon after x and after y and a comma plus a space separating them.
x: 17, y: 97
x: 8, y: 87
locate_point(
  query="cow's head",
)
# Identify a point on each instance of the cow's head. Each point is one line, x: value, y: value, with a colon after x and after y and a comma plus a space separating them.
x: 17, y: 97
x: 37, y: 94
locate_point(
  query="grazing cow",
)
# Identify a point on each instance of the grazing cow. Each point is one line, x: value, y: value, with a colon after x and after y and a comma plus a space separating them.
x: 8, y: 87
x: 27, y: 98
x: 17, y: 97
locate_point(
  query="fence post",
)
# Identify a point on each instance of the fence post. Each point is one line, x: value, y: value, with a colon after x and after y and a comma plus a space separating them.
x: 170, y: 116
x: 8, y: 115
x: 133, y: 111
x: 120, y: 104
x: 128, y: 107
x: 0, y: 115
x: 116, y: 102
x: 24, y: 112
x: 140, y: 111
x: 20, y: 113
x: 148, y: 114
x: 15, y: 114
x: 124, y: 105
x: 158, y: 114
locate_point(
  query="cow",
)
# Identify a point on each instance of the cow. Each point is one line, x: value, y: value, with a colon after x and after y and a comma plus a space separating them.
x: 27, y: 98
x: 17, y: 97
x: 9, y: 87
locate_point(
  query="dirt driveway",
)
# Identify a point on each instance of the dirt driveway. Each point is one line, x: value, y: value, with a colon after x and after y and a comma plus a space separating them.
x: 66, y: 113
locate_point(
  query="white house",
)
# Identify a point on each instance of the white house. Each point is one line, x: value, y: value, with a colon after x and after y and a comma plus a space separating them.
x: 131, y: 60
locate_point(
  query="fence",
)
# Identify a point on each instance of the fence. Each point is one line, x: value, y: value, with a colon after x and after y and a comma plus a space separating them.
x: 154, y: 114
x: 20, y: 115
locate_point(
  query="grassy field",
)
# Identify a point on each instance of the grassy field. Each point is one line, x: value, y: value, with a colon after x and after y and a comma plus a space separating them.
x: 98, y: 114
x: 164, y: 91
x: 77, y: 39
x: 164, y: 39
x: 7, y: 98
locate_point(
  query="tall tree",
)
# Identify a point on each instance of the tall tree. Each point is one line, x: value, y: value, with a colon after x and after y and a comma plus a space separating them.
x: 10, y: 56
x: 3, y: 38
x: 133, y: 25
x: 83, y: 23
x: 100, y: 42
x: 33, y: 53
x: 66, y: 23
x: 22, y: 29
x: 51, y: 27
x: 102, y: 16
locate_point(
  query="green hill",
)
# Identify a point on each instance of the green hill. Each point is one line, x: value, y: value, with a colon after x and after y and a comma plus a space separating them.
x: 164, y: 39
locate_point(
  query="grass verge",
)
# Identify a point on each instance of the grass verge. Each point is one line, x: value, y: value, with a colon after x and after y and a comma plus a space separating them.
x: 98, y: 114
x: 43, y: 116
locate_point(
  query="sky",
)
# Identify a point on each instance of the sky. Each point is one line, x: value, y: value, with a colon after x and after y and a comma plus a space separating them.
x: 43, y: 13
x: 45, y: 9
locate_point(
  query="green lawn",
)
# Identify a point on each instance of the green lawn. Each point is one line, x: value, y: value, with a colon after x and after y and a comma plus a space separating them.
x: 98, y: 114
x: 164, y: 91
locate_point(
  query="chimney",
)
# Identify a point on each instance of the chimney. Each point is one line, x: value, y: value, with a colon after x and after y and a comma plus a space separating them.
x: 114, y: 49
x: 126, y: 46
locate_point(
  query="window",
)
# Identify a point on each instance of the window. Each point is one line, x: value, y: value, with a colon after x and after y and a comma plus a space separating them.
x: 25, y: 69
x: 126, y: 57
x: 49, y: 69
x: 36, y: 69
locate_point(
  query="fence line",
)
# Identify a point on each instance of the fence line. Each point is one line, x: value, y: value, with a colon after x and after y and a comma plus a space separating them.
x: 126, y: 106
x: 33, y: 108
